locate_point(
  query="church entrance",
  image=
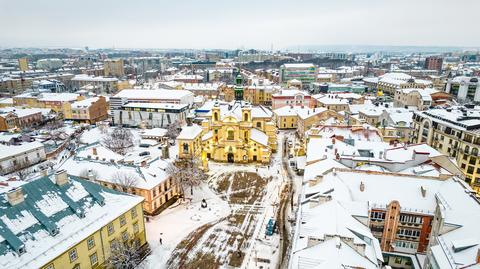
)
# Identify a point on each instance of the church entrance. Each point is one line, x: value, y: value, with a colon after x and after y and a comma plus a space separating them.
x: 230, y: 158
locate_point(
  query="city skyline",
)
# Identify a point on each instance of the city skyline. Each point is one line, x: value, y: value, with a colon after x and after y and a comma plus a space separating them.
x: 269, y: 24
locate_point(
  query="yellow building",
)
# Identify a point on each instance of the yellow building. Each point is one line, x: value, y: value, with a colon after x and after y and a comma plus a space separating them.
x: 58, y: 102
x: 453, y: 132
x: 75, y: 223
x: 88, y: 110
x: 236, y: 132
x: 23, y: 64
x: 113, y: 68
x: 308, y: 118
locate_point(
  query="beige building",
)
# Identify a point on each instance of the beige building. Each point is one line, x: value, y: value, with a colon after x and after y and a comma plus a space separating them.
x: 23, y: 64
x: 113, y: 68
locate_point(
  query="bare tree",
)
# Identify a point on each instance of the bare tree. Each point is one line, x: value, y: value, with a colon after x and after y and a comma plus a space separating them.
x: 124, y: 255
x: 22, y: 169
x: 173, y: 130
x: 120, y: 140
x: 89, y: 173
x: 188, y: 172
x: 126, y: 181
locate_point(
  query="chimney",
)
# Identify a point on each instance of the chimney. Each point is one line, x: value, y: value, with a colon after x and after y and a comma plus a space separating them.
x: 333, y: 140
x: 165, y: 153
x: 61, y: 177
x: 15, y: 196
x: 91, y: 176
x: 94, y: 151
x: 362, y: 186
x: 424, y: 191
x: 143, y: 163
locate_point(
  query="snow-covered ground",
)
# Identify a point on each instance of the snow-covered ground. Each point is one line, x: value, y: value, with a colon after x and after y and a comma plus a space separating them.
x: 177, y: 222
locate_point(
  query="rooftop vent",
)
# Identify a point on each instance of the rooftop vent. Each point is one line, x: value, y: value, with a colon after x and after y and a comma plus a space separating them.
x: 362, y: 186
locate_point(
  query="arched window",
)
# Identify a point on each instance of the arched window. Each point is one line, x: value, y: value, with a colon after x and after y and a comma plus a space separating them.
x: 474, y: 151
x: 467, y: 149
x: 245, y: 117
x: 185, y: 148
x: 215, y: 116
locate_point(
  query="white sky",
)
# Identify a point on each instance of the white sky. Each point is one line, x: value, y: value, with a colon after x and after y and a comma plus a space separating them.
x: 235, y: 24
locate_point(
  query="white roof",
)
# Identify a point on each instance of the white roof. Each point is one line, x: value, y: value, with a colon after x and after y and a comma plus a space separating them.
x: 299, y: 65
x: 85, y: 103
x: 153, y: 94
x: 337, y: 225
x: 156, y: 105
x: 378, y: 189
x: 155, y: 132
x: 8, y: 151
x: 147, y: 177
x: 21, y: 112
x: 259, y: 136
x: 84, y: 77
x: 62, y: 97
x: 190, y: 132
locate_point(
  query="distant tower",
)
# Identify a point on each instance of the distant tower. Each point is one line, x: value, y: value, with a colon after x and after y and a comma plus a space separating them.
x: 23, y: 64
x: 238, y: 88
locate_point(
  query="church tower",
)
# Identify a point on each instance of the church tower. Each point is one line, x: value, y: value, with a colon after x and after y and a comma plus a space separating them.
x: 238, y: 88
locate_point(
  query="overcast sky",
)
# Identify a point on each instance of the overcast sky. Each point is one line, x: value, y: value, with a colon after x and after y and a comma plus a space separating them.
x: 238, y: 24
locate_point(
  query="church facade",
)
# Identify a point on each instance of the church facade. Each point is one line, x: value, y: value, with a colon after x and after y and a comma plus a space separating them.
x: 235, y: 132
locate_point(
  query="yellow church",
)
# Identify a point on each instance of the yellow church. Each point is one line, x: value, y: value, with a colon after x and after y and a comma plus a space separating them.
x: 234, y: 132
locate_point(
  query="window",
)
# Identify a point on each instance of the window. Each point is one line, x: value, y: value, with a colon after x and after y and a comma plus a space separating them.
x: 73, y: 255
x: 259, y: 125
x: 113, y: 244
x: 124, y: 236
x: 245, y: 117
x: 50, y: 266
x: 123, y: 220
x: 230, y: 135
x: 133, y: 212
x: 136, y: 229
x: 90, y: 242
x: 93, y: 259
x: 470, y: 170
x: 110, y: 229
x: 77, y: 266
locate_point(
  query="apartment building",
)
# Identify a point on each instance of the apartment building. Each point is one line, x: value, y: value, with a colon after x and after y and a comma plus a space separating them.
x: 306, y: 73
x: 98, y: 84
x: 464, y: 88
x: 89, y: 110
x: 421, y: 99
x: 454, y: 132
x: 144, y: 176
x: 16, y: 157
x: 19, y: 118
x: 62, y: 221
x: 113, y: 68
x: 291, y: 97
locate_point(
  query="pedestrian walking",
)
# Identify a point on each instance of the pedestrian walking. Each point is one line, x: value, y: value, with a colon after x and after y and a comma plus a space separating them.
x: 160, y: 240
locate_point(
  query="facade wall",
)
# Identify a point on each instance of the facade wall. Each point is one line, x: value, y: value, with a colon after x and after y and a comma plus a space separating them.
x: 150, y: 118
x: 103, y: 240
x: 22, y: 160
x: 463, y: 146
